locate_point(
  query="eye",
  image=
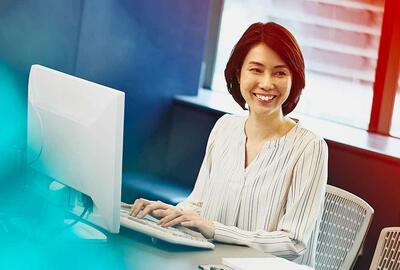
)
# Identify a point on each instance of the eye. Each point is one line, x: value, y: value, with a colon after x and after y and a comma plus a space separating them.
x: 281, y: 74
x: 255, y: 70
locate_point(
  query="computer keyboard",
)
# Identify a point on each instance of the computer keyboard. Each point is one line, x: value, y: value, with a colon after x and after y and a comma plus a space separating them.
x: 176, y: 235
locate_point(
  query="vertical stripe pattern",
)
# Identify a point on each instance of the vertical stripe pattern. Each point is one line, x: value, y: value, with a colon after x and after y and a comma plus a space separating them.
x: 274, y: 204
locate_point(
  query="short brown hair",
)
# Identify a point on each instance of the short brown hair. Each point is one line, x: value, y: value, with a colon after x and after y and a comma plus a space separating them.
x: 280, y: 40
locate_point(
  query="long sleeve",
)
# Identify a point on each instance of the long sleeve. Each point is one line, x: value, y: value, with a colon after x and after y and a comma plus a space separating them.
x: 302, y: 211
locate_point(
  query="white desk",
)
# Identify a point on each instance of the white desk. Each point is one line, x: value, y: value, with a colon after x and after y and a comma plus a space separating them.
x: 127, y: 250
x: 138, y: 252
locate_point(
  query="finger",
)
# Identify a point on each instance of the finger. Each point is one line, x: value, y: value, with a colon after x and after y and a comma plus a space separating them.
x: 138, y: 205
x: 151, y: 207
x: 160, y: 213
x: 163, y: 205
x: 173, y: 214
x: 145, y: 210
x: 126, y: 205
x: 177, y: 220
x: 168, y: 215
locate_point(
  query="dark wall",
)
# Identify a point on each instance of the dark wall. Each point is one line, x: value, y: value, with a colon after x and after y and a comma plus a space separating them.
x: 149, y: 49
x: 187, y: 141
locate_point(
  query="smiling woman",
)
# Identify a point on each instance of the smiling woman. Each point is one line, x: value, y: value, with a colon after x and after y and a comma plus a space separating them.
x: 265, y: 80
x: 265, y: 73
x: 276, y: 42
x: 263, y: 177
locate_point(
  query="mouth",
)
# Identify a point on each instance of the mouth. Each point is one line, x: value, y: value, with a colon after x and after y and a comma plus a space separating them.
x: 264, y: 98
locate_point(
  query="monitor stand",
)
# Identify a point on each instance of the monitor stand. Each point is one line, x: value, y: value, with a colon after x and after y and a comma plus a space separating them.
x: 79, y: 231
x: 42, y: 216
x: 82, y: 232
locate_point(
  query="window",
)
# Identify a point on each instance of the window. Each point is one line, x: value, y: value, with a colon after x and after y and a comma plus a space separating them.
x: 339, y: 40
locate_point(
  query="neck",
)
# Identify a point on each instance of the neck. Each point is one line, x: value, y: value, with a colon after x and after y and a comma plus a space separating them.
x: 262, y: 128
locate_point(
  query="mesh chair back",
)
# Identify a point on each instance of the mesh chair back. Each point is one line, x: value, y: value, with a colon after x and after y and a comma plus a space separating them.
x: 345, y: 222
x: 387, y: 252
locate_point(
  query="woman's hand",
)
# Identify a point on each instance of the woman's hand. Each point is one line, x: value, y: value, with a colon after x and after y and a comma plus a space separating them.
x: 174, y: 216
x: 142, y: 207
x: 170, y: 215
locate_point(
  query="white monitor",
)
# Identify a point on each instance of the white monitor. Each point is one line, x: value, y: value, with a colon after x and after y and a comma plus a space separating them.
x: 75, y: 136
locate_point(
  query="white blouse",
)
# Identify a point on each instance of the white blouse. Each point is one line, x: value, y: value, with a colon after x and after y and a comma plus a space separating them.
x: 273, y: 205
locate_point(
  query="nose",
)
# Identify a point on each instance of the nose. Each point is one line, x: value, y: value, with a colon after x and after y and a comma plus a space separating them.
x: 266, y: 81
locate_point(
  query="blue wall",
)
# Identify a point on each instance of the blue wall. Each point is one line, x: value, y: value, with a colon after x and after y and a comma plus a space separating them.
x: 149, y: 49
x: 152, y: 50
x: 39, y: 31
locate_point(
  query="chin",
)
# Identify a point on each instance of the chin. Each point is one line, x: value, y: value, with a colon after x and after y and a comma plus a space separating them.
x: 264, y: 110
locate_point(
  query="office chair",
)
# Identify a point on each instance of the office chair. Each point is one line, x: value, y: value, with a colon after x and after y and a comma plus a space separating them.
x: 387, y: 252
x: 344, y: 225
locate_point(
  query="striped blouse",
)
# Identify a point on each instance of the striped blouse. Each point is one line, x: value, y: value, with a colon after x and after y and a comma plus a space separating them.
x: 275, y: 204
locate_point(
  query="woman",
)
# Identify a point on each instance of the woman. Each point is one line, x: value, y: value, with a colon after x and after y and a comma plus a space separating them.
x: 263, y: 178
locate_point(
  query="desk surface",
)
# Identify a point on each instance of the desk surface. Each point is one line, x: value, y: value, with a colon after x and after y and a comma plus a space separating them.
x: 140, y: 252
x: 127, y: 250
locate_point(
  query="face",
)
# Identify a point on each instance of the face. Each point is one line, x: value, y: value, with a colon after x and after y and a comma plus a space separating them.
x: 265, y: 81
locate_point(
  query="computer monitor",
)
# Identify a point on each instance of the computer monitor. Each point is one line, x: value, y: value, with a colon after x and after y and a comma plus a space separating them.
x: 75, y: 136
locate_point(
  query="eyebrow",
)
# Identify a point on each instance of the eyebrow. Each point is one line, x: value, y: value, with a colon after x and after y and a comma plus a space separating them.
x: 260, y: 64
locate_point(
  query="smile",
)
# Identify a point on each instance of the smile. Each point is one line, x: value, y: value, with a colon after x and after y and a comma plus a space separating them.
x: 264, y: 97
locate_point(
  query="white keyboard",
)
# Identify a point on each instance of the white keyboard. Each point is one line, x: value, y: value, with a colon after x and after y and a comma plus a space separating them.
x: 149, y: 226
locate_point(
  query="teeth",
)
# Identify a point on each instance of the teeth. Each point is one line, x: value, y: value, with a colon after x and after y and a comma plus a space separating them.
x: 265, y: 98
